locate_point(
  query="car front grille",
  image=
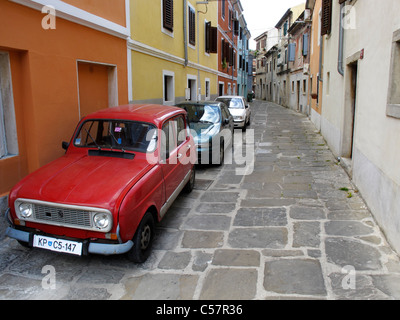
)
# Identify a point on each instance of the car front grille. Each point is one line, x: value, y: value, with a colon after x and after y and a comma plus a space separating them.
x: 63, y: 216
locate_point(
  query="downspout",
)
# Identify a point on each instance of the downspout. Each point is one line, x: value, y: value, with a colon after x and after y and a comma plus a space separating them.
x: 341, y: 40
x: 185, y: 41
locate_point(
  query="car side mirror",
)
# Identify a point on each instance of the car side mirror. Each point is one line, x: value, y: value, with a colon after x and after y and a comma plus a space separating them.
x: 227, y: 121
x: 65, y: 145
x: 247, y: 106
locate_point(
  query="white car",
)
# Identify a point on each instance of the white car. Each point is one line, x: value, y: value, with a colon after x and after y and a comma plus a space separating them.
x: 239, y: 109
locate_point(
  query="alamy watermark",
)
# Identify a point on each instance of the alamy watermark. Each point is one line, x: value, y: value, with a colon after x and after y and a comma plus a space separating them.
x: 49, y: 20
x: 349, y: 280
x: 49, y: 280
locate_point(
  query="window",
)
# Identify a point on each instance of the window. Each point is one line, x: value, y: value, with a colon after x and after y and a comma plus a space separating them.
x: 305, y: 44
x: 285, y: 28
x: 326, y: 17
x: 180, y: 123
x: 211, y: 38
x: 208, y: 95
x: 393, y: 104
x: 167, y: 140
x: 223, y: 9
x: 8, y: 128
x: 168, y: 14
x: 292, y: 52
x: 192, y: 26
x: 169, y: 88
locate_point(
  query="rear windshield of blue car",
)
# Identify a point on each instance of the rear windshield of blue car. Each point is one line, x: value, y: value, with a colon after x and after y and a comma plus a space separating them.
x: 208, y: 114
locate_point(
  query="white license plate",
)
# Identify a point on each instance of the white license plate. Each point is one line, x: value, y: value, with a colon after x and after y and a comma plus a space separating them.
x: 57, y: 245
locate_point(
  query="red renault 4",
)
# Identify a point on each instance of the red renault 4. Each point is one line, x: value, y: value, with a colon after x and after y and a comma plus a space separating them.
x: 122, y: 170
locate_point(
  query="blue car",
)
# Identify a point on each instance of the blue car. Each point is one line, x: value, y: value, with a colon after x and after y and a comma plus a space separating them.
x: 212, y: 128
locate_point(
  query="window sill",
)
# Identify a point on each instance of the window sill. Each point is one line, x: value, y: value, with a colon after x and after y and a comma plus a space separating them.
x: 393, y: 110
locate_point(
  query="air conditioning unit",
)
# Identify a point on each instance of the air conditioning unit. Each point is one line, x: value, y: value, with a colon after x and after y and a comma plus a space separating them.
x: 306, y: 68
x: 307, y: 14
x: 280, y: 62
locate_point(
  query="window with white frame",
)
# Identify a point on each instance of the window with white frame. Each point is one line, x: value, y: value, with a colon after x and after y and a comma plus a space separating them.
x: 192, y: 25
x: 168, y: 87
x: 208, y: 94
x: 8, y: 128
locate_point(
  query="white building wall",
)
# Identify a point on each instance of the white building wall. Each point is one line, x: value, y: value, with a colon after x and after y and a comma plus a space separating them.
x: 375, y: 152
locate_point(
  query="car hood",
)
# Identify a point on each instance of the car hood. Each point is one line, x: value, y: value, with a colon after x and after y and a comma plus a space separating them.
x: 83, y: 180
x: 237, y: 112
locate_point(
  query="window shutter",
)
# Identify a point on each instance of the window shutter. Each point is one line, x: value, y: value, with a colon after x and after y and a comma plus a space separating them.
x: 231, y: 56
x: 223, y: 50
x: 192, y: 26
x: 208, y: 36
x: 236, y: 27
x: 168, y: 14
x: 227, y: 51
x: 292, y: 52
x: 213, y: 40
x: 305, y: 44
x: 326, y: 19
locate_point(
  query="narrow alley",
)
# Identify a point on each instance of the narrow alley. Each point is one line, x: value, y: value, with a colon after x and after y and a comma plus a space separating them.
x: 294, y: 228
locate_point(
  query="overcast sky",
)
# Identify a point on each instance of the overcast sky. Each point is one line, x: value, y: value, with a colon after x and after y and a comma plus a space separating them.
x: 262, y: 15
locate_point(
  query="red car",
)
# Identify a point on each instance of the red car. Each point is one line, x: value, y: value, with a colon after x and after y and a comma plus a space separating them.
x: 121, y: 172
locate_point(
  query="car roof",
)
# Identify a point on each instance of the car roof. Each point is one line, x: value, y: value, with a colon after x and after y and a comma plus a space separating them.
x: 204, y: 102
x: 230, y: 97
x: 151, y: 113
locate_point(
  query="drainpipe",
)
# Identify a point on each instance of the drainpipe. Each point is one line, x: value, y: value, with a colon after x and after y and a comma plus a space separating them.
x: 185, y: 31
x: 341, y: 40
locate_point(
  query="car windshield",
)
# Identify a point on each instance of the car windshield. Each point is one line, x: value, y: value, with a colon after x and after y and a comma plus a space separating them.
x: 234, y: 103
x: 115, y: 134
x: 206, y: 114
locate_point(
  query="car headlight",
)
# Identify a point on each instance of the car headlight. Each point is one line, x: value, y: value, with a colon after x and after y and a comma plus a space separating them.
x: 102, y: 220
x: 25, y: 210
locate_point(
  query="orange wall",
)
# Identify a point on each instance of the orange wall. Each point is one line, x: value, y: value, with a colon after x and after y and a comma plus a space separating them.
x: 113, y: 10
x: 92, y: 78
x: 45, y: 82
x: 314, y: 59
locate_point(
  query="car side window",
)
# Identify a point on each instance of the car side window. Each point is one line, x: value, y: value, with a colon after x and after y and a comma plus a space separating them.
x: 181, y: 130
x: 167, y: 140
x: 225, y: 112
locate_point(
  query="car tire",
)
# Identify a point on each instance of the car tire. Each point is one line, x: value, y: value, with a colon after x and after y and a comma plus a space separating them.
x: 192, y: 180
x: 143, y: 240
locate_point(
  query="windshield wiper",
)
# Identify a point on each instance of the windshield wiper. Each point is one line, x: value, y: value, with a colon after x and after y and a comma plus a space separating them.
x: 98, y: 147
x: 115, y: 139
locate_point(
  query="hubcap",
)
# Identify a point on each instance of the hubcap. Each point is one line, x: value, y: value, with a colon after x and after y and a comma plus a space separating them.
x: 146, y: 236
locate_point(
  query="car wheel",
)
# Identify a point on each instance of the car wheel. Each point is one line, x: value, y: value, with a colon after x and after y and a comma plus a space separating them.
x: 143, y: 240
x: 190, y: 185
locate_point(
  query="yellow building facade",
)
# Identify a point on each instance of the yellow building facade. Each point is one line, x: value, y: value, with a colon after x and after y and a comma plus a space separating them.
x: 171, y: 59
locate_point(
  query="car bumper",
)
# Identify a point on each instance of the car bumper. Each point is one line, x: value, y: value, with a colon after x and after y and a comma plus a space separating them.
x: 239, y: 124
x: 89, y: 247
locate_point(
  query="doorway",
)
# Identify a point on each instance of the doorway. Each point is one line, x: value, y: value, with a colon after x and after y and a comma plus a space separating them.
x: 298, y: 96
x: 349, y: 121
x: 353, y: 103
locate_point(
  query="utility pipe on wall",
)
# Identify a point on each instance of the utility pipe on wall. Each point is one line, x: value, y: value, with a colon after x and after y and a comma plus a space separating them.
x: 185, y: 38
x: 341, y: 40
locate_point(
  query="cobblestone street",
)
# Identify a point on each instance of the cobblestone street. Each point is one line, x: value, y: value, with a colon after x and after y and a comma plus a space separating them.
x: 294, y: 228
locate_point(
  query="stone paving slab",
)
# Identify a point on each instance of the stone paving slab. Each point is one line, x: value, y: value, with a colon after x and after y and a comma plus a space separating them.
x: 284, y: 231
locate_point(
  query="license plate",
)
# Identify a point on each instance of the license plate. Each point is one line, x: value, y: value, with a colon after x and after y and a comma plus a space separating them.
x: 57, y: 245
